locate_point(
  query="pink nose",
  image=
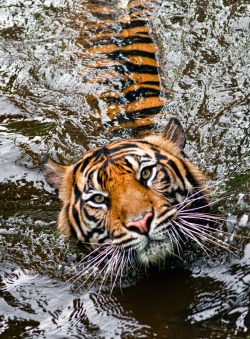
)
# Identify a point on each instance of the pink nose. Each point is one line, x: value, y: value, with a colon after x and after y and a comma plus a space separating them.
x: 141, y: 224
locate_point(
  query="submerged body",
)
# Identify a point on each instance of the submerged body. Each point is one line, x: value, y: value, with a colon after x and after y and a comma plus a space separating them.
x: 127, y: 85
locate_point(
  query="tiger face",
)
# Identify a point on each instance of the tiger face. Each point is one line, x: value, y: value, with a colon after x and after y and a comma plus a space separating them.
x: 128, y: 194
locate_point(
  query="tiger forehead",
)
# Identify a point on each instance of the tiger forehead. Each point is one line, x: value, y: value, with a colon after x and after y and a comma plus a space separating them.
x: 113, y: 168
x: 108, y: 172
x: 115, y: 174
x: 119, y: 151
x: 128, y: 147
x: 104, y: 165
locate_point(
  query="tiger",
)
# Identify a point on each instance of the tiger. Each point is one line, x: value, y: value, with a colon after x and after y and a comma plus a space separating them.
x: 132, y: 197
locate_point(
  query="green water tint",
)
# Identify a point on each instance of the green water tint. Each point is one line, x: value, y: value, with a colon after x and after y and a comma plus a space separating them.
x: 47, y: 106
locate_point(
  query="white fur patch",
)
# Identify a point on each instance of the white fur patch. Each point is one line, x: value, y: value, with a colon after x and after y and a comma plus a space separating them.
x: 155, y: 251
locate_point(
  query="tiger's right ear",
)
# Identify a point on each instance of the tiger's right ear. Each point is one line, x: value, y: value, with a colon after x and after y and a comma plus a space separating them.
x: 54, y: 172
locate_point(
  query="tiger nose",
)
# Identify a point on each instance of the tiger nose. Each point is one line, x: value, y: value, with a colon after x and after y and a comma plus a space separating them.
x: 142, y: 225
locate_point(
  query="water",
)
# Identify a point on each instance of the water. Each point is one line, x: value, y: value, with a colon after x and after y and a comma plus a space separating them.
x: 47, y: 107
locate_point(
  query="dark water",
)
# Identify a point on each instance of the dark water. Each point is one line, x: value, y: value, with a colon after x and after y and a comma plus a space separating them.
x: 46, y: 106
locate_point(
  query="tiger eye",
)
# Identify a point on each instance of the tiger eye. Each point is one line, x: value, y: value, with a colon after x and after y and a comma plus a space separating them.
x: 146, y: 172
x: 98, y: 198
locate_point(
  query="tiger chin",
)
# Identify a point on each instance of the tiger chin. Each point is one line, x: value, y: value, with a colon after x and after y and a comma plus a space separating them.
x: 131, y: 196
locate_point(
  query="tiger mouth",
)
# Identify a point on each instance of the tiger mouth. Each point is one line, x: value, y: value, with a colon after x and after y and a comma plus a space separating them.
x: 155, y: 251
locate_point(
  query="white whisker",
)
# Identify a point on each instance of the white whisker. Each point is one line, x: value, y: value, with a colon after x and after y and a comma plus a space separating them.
x: 96, y: 261
x: 132, y: 261
x: 186, y: 231
x: 100, y: 272
x: 109, y: 268
x: 201, y: 232
x: 203, y: 216
x: 91, y: 253
x: 117, y: 264
x: 198, y: 207
x: 173, y: 234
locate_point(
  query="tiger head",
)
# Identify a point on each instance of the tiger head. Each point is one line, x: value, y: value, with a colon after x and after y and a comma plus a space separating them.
x: 128, y: 193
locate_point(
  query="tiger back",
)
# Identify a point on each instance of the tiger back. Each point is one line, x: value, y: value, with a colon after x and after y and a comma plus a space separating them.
x: 126, y: 87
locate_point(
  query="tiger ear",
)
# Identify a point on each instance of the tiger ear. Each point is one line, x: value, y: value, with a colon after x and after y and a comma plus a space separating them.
x: 175, y: 133
x: 54, y: 172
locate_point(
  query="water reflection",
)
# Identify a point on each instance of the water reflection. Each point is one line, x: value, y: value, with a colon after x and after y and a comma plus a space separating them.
x: 155, y: 307
x: 47, y: 106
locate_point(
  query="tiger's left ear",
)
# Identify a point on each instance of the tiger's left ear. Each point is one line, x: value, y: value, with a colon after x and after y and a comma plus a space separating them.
x: 54, y: 172
x: 175, y: 133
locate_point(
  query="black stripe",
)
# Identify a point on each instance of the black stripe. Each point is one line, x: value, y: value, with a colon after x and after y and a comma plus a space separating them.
x: 129, y: 67
x: 144, y: 112
x: 77, y: 193
x: 137, y: 129
x: 141, y: 92
x: 125, y: 145
x: 129, y: 165
x: 100, y: 3
x: 168, y: 208
x: 166, y: 178
x: 160, y: 156
x: 102, y: 240
x: 125, y: 241
x: 136, y: 9
x: 128, y: 170
x: 76, y: 216
x: 128, y: 82
x: 77, y: 221
x: 121, y: 235
x: 133, y: 96
x: 190, y: 178
x: 84, y: 163
x: 90, y: 217
x: 120, y: 155
x: 120, y: 42
x: 176, y: 170
x: 173, y: 193
x: 120, y: 54
x: 134, y: 39
x: 102, y: 176
x: 96, y: 155
x: 95, y: 230
x: 164, y: 187
x: 72, y: 230
x: 134, y: 23
x: 76, y: 168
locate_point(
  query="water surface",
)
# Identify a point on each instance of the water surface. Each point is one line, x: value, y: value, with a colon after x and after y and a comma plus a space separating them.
x: 47, y: 107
